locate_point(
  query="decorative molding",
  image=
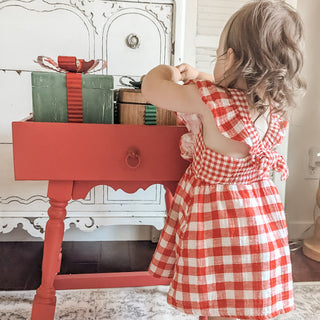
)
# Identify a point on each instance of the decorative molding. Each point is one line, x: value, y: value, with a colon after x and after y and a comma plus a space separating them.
x: 23, y: 201
x: 97, y: 15
x: 163, y: 14
x: 8, y: 224
x: 36, y: 226
x: 90, y: 199
x: 83, y: 223
x: 149, y: 1
x: 45, y: 6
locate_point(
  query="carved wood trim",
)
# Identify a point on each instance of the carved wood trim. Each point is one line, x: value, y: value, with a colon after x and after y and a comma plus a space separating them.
x: 45, y: 6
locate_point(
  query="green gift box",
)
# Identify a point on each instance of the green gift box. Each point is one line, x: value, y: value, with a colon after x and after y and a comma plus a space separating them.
x: 49, y: 95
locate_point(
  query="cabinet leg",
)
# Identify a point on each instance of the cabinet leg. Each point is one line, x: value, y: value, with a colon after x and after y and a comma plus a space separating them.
x: 45, y: 299
x: 168, y: 198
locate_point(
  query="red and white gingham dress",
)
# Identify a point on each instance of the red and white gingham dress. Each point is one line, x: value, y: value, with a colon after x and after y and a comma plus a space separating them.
x: 225, y: 238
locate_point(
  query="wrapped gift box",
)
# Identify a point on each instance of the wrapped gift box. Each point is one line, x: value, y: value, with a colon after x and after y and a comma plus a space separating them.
x: 49, y: 95
x: 134, y: 109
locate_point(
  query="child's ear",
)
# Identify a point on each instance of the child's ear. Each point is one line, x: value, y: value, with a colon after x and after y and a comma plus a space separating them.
x: 229, y: 62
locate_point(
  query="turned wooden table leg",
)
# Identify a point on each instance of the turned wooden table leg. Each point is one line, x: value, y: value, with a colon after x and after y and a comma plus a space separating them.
x: 45, y: 299
x: 168, y: 198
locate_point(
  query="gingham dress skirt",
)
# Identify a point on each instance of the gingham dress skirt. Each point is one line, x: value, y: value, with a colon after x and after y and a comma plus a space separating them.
x: 225, y: 238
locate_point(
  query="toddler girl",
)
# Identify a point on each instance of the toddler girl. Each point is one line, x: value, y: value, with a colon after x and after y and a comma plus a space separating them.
x: 225, y: 239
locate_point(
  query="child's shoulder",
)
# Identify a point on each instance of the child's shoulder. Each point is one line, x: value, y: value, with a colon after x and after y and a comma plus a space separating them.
x: 207, y: 84
x: 211, y: 87
x: 220, y: 96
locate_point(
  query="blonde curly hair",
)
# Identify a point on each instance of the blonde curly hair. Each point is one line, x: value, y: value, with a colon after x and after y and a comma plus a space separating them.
x: 270, y: 55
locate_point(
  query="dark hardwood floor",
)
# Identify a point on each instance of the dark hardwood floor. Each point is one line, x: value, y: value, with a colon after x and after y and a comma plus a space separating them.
x: 20, y: 262
x: 303, y: 268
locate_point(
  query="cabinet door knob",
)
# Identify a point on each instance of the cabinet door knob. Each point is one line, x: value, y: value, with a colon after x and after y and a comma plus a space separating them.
x: 133, y: 41
x: 133, y: 158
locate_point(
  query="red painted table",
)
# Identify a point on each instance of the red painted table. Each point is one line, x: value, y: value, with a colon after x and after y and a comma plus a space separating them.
x: 75, y: 157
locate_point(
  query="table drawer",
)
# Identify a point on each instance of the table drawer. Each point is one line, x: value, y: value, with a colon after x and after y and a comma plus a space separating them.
x: 79, y: 151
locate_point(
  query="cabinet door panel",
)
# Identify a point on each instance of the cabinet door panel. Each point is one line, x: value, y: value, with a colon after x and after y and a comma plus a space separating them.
x: 40, y: 32
x: 138, y: 37
x: 135, y: 44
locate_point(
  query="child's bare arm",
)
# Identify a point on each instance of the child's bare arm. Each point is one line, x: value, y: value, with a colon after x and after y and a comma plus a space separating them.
x: 160, y: 87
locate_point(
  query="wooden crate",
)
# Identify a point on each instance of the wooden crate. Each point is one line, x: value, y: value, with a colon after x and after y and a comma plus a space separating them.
x: 132, y: 109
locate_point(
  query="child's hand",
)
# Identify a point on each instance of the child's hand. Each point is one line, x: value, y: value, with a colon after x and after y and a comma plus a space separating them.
x: 187, y: 72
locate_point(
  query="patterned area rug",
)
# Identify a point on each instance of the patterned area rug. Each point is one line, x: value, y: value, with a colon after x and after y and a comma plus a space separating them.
x: 142, y: 303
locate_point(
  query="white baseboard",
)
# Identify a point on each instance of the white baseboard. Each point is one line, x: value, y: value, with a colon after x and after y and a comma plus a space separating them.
x: 300, y: 229
x: 297, y: 230
x: 107, y: 233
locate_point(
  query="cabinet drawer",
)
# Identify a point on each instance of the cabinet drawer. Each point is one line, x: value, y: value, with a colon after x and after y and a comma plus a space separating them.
x: 79, y: 151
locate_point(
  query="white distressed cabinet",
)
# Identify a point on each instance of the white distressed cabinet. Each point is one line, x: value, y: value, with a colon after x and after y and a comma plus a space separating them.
x: 133, y: 37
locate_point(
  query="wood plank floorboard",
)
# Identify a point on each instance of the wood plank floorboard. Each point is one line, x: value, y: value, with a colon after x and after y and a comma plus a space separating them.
x: 20, y: 262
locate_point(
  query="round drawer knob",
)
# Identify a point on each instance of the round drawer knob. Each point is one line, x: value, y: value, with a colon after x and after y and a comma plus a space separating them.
x: 133, y: 158
x: 133, y: 41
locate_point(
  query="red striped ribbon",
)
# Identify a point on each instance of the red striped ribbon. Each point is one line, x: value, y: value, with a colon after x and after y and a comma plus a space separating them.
x: 74, y: 97
x: 74, y: 87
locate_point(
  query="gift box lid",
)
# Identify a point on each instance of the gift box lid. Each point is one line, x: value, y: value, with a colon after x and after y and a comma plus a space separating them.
x: 57, y: 79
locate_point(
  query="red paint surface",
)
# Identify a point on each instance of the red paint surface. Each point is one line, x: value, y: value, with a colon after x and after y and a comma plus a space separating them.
x: 75, y: 157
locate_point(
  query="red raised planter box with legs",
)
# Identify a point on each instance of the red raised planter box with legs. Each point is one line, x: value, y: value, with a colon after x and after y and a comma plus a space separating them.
x: 75, y: 157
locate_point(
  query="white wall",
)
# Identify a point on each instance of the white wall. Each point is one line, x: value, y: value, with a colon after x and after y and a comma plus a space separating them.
x: 305, y: 130
x: 211, y: 18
